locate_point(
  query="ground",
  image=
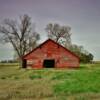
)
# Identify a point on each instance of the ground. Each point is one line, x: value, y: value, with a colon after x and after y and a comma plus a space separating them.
x: 50, y: 84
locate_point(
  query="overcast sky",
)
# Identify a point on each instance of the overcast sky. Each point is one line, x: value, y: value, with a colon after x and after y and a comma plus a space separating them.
x: 83, y: 16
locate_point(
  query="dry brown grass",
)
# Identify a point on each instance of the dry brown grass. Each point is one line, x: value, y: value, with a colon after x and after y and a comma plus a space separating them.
x: 21, y: 84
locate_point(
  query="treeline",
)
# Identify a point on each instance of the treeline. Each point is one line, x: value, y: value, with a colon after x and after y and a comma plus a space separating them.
x: 8, y: 61
x: 85, y: 56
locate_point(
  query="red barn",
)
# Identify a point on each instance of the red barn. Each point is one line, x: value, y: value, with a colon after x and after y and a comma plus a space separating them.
x: 51, y: 55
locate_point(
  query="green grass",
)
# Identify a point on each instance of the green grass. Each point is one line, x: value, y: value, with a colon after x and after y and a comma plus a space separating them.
x: 50, y: 84
x: 82, y: 81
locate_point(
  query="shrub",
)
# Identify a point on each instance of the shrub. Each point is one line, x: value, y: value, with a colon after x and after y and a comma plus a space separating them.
x: 3, y: 77
x: 16, y: 77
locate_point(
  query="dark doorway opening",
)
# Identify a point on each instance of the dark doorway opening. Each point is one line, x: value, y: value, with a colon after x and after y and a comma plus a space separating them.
x: 49, y: 63
x: 24, y: 63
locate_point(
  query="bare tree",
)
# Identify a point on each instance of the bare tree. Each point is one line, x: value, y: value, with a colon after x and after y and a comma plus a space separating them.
x: 60, y: 34
x: 21, y: 35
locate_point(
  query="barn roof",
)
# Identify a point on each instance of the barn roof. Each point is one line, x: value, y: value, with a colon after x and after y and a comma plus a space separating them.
x: 54, y: 43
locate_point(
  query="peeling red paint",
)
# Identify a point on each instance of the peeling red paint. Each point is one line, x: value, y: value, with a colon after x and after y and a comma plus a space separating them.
x: 51, y: 50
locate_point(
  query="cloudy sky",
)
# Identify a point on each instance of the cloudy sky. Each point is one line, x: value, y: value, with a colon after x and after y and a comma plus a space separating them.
x: 83, y: 16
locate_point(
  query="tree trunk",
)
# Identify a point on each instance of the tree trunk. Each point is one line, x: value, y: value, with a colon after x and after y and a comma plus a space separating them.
x: 22, y: 63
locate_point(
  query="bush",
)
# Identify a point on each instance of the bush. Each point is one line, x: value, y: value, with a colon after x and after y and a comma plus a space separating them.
x: 3, y: 77
x: 16, y: 77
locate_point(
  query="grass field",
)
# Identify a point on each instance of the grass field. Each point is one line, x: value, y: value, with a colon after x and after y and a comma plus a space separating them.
x: 50, y: 84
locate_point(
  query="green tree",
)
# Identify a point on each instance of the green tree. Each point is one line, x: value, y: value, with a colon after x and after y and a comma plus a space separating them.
x: 85, y: 56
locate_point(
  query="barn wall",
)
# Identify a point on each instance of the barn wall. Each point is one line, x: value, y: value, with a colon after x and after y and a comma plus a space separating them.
x: 51, y: 50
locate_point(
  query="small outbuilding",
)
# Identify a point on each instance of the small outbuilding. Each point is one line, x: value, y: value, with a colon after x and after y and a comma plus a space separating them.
x: 51, y: 55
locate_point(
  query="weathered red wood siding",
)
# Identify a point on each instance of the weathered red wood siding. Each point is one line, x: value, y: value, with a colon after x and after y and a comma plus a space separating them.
x: 51, y: 50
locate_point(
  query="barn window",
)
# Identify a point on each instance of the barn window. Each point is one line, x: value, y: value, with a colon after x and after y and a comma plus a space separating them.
x: 49, y: 63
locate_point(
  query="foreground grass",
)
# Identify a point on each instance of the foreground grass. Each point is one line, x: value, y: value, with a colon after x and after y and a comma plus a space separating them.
x: 50, y: 84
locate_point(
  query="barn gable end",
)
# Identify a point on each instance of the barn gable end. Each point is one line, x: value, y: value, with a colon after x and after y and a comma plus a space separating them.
x: 51, y: 54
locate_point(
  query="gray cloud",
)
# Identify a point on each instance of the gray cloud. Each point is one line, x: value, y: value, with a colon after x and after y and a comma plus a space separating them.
x: 82, y: 15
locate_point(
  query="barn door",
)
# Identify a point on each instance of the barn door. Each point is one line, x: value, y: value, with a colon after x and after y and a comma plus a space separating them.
x: 49, y: 63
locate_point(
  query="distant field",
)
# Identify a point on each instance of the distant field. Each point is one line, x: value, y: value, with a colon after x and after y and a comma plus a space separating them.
x: 50, y: 84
